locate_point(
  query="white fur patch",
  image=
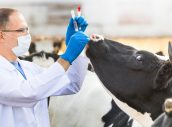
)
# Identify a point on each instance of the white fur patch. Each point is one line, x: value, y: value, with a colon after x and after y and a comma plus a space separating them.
x: 141, y: 118
x: 161, y: 57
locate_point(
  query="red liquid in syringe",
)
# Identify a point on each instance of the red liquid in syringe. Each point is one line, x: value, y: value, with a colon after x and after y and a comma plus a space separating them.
x: 79, y: 11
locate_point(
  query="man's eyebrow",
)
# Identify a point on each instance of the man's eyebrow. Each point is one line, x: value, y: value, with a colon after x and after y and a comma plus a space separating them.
x: 18, y: 30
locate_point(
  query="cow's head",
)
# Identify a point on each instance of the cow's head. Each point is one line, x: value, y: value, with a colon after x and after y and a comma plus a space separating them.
x: 134, y: 76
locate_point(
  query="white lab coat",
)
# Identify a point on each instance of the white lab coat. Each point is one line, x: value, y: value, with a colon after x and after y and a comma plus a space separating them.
x: 23, y: 103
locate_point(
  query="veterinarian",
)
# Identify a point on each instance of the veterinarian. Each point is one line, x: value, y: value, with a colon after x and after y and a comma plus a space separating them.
x: 24, y: 86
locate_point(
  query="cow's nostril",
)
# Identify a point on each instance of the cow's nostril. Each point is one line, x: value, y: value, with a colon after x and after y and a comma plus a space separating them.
x: 96, y: 38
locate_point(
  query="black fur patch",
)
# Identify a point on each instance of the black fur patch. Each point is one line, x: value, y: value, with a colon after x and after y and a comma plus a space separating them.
x: 163, y: 76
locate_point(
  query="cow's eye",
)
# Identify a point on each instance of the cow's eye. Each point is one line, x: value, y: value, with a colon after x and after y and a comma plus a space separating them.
x: 139, y: 58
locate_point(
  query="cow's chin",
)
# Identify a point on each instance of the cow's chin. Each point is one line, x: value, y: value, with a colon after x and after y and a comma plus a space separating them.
x: 90, y: 50
x: 88, y: 54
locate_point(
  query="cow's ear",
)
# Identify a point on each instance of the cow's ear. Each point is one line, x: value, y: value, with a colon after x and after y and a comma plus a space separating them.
x: 163, y: 76
x: 170, y: 51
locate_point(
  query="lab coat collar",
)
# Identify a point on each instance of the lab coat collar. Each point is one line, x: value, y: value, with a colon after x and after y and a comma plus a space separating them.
x: 6, y: 64
x: 21, y: 63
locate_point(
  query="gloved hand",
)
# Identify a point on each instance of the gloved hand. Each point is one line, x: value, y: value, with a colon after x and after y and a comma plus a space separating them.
x: 76, y: 44
x: 81, y: 22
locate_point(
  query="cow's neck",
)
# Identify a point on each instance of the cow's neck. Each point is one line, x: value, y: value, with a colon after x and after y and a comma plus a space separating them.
x: 153, y: 105
x: 132, y: 112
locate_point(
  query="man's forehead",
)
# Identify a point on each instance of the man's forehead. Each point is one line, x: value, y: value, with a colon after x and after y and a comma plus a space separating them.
x: 16, y: 19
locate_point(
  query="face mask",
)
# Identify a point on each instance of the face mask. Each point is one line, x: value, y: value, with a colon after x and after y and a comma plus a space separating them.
x: 23, y: 45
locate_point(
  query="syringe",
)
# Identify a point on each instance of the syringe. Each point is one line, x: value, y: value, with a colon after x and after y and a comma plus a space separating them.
x: 79, y: 11
x: 74, y: 21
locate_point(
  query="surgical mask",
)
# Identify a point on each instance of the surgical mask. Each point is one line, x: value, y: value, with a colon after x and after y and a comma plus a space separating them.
x: 23, y: 45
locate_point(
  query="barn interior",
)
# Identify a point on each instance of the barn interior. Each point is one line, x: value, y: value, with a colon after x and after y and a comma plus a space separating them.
x: 143, y: 24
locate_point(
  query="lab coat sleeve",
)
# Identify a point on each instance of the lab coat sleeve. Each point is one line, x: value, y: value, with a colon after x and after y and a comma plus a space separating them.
x: 76, y: 74
x: 26, y: 93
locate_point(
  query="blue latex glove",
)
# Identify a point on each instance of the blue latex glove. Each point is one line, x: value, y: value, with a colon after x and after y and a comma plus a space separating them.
x: 81, y: 22
x: 76, y: 44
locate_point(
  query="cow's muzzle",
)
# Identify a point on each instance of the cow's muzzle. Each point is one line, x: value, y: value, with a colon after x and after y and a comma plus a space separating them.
x: 96, y: 38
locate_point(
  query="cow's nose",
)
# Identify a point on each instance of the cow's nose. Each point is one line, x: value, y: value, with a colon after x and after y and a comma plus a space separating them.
x: 96, y: 37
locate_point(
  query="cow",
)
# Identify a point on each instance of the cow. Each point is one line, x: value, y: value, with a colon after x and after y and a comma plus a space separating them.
x: 33, y: 53
x: 137, y: 77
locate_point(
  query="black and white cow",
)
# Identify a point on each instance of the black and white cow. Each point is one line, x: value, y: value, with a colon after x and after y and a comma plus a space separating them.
x: 33, y: 53
x: 138, y: 78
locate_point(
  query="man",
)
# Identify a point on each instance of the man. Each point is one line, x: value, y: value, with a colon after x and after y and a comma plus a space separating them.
x: 24, y: 86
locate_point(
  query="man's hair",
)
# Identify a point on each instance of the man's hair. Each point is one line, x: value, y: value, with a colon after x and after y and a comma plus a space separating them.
x: 4, y: 16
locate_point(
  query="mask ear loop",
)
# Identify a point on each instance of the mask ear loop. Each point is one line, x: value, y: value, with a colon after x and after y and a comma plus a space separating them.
x: 2, y: 36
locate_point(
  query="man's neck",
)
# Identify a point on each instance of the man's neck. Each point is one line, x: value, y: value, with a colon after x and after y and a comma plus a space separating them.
x: 10, y: 58
x: 7, y: 53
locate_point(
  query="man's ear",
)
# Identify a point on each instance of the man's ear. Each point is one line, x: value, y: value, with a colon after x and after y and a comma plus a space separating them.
x: 1, y: 35
x: 163, y: 76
